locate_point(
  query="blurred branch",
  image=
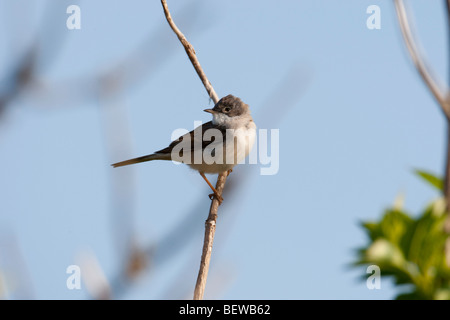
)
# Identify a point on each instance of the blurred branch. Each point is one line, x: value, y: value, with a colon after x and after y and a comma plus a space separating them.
x: 138, y: 63
x: 16, y: 277
x: 210, y: 224
x: 17, y: 79
x: 93, y: 276
x: 118, y: 141
x: 447, y: 167
x: 40, y: 53
x: 51, y: 40
x: 441, y: 94
x: 448, y: 12
x: 438, y: 92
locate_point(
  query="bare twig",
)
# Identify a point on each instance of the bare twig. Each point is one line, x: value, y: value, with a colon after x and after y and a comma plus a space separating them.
x: 439, y: 93
x: 210, y: 229
x: 191, y: 54
x: 210, y: 224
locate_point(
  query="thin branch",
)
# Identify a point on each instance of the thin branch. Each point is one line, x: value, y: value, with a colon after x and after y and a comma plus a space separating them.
x: 447, y: 166
x: 191, y: 54
x: 440, y: 94
x: 448, y: 11
x: 447, y: 2
x: 210, y: 224
x: 210, y: 229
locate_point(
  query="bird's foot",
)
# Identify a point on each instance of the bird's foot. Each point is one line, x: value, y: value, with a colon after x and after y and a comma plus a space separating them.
x: 217, y: 196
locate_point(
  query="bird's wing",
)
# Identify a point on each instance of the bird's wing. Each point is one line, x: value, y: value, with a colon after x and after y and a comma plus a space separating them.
x: 196, y: 138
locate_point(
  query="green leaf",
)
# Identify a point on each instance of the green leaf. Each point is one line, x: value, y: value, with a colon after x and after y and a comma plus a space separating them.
x: 410, y: 249
x: 433, y: 180
x: 372, y: 230
x: 394, y: 225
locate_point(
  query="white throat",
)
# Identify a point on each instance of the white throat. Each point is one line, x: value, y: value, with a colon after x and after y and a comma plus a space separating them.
x: 223, y: 120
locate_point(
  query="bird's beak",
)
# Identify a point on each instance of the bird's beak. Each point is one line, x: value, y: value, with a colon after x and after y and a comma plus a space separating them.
x: 210, y: 111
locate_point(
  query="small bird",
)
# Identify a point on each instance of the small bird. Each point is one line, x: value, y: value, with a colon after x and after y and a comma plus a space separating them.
x: 214, y: 147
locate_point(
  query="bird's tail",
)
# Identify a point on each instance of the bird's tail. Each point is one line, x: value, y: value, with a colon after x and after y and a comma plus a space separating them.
x: 150, y: 157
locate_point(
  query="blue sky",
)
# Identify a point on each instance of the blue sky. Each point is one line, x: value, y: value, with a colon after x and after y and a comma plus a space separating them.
x: 353, y: 116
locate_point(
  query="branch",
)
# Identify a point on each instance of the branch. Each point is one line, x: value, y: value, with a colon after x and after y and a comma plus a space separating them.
x: 210, y: 229
x: 191, y: 54
x: 210, y: 224
x: 448, y: 11
x: 447, y: 167
x: 441, y: 96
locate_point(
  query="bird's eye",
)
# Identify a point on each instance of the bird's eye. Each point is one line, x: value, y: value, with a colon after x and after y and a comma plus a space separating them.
x: 226, y: 109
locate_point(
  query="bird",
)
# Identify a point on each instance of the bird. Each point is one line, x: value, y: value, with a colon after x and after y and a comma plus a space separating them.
x: 213, y: 147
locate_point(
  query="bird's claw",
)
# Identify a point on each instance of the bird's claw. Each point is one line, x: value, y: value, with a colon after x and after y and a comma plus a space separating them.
x: 218, y: 197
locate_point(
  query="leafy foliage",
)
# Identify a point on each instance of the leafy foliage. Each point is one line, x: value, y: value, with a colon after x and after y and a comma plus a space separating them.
x: 411, y: 250
x: 431, y: 179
